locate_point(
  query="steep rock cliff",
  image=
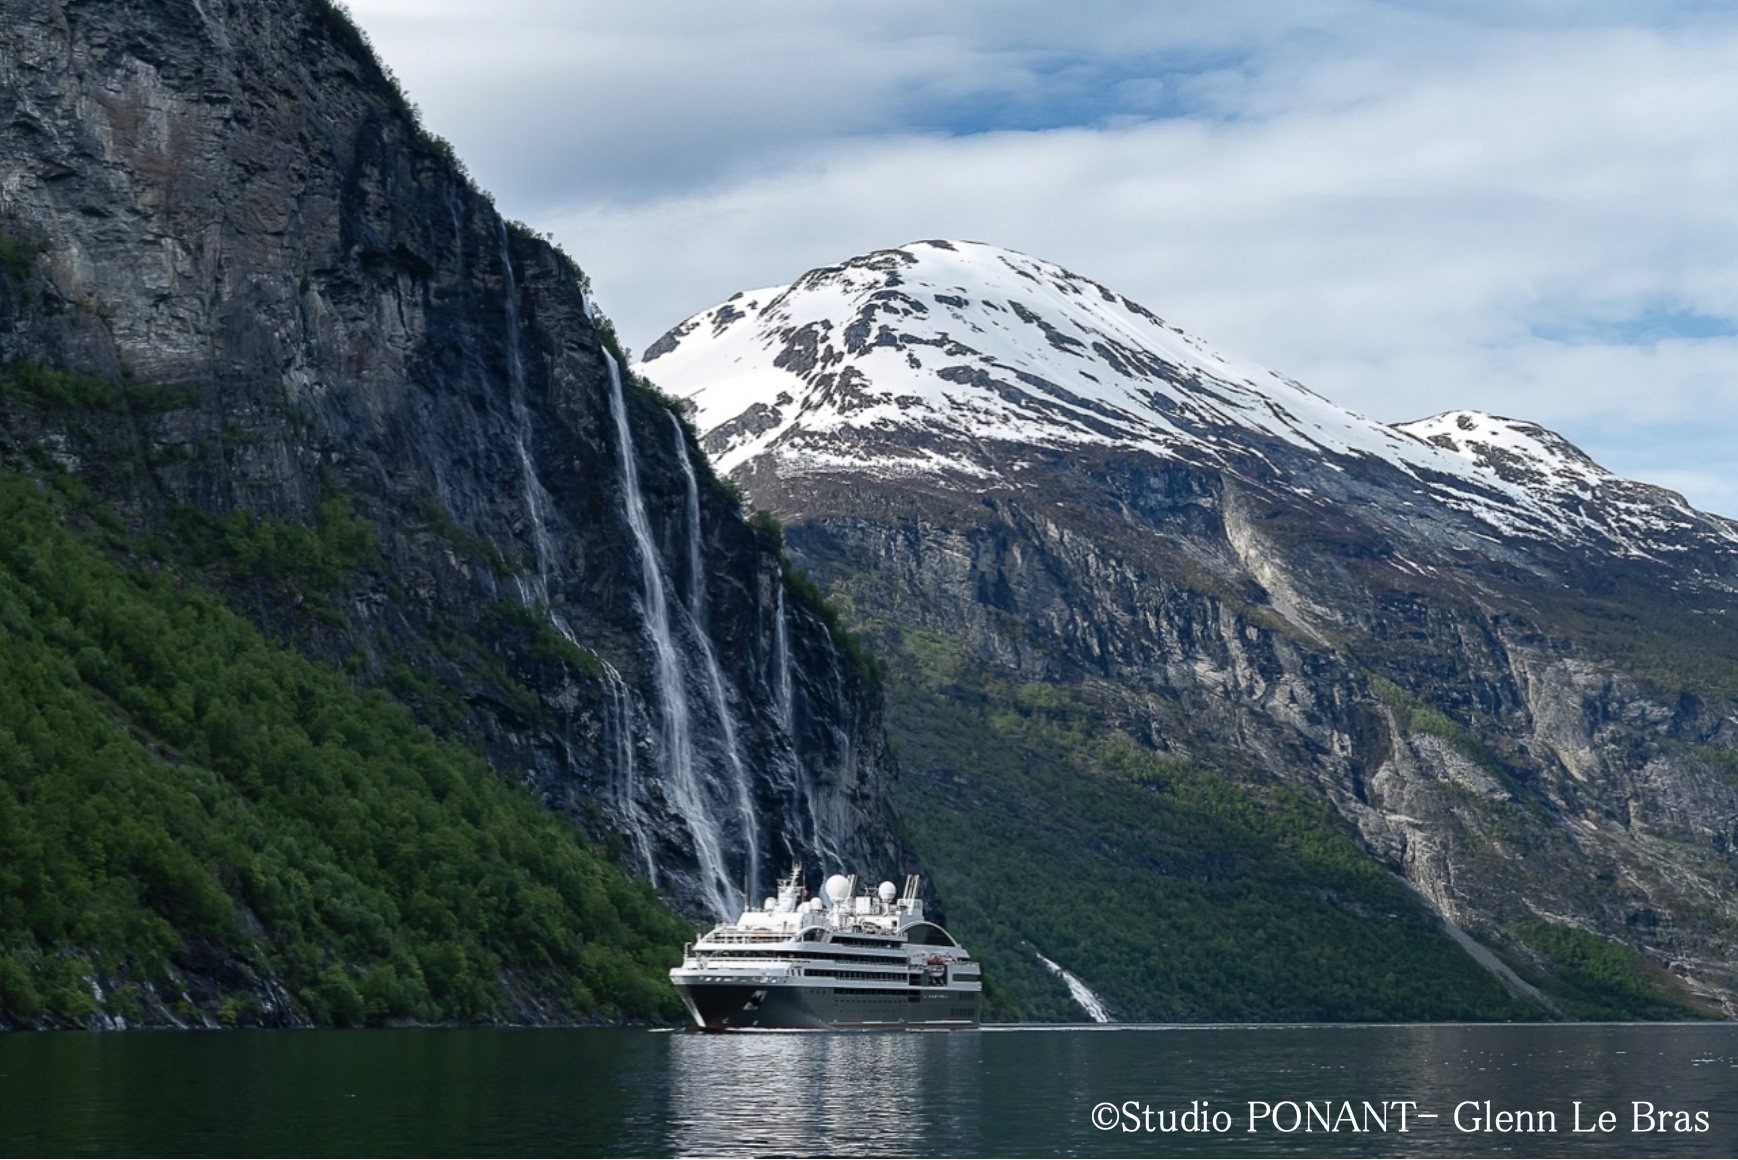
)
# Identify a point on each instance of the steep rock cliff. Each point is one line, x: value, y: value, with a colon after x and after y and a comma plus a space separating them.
x: 298, y: 296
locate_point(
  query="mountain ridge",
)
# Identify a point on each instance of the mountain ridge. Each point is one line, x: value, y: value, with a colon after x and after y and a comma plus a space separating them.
x: 952, y: 343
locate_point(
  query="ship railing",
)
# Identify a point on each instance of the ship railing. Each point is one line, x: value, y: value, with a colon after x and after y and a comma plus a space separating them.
x: 735, y: 937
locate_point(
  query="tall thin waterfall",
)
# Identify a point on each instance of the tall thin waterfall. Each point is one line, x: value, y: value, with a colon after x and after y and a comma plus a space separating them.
x: 691, y: 517
x: 781, y: 672
x: 709, y: 662
x: 686, y: 792
x: 785, y: 699
x: 618, y: 739
x: 532, y: 493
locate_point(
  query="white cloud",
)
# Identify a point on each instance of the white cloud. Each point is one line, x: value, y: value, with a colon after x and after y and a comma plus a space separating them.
x: 1406, y: 210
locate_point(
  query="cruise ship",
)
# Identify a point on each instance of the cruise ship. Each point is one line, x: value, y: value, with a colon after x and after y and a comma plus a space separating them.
x: 839, y: 961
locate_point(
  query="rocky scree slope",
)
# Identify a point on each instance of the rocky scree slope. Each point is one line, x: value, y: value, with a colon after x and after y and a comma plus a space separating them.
x: 294, y: 302
x: 1508, y: 671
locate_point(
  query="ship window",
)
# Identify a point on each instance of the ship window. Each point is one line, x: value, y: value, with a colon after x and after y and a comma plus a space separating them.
x: 929, y: 934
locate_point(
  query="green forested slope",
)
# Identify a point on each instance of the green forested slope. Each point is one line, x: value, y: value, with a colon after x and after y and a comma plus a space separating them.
x: 1176, y: 892
x: 195, y: 821
x: 1172, y: 891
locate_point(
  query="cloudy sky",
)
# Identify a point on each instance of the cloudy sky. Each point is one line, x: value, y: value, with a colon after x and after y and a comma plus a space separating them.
x: 1523, y: 208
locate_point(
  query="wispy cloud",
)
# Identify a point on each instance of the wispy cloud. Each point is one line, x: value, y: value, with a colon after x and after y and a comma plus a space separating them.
x: 1526, y: 209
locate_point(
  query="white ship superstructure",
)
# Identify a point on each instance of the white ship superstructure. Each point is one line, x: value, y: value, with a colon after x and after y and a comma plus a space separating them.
x: 841, y: 960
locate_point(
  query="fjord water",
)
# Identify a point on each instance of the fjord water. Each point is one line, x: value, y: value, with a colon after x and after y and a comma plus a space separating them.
x: 1005, y: 1091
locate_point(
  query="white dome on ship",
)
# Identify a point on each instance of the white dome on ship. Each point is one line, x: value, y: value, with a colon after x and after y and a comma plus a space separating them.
x: 886, y: 892
x: 838, y: 888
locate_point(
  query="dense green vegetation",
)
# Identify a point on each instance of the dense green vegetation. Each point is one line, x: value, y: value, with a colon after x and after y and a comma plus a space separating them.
x: 56, y: 388
x: 187, y: 809
x: 1174, y: 892
x: 18, y: 251
x: 307, y: 558
x: 1596, y: 978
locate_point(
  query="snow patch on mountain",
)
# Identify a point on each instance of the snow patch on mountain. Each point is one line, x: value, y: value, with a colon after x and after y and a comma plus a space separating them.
x: 1584, y: 496
x: 1519, y: 452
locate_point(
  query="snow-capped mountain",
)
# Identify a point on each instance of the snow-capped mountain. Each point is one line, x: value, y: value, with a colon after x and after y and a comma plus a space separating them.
x: 965, y: 343
x: 958, y: 360
x: 1508, y: 671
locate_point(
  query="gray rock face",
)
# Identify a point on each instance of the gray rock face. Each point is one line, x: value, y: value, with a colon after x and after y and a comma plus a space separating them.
x: 1508, y: 770
x: 1510, y: 672
x: 303, y: 295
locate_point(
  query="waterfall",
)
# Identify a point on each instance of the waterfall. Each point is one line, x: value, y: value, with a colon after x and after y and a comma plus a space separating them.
x: 618, y: 707
x: 1081, y: 993
x: 686, y: 793
x: 709, y: 663
x: 532, y: 494
x: 784, y: 696
x: 691, y: 517
x: 618, y: 741
x: 781, y: 672
x: 458, y: 228
x: 841, y: 736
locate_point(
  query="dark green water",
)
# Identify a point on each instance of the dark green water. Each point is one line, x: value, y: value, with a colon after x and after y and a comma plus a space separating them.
x: 1020, y: 1092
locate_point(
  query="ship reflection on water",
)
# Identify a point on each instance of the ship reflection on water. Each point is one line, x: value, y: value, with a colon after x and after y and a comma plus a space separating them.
x: 821, y: 1093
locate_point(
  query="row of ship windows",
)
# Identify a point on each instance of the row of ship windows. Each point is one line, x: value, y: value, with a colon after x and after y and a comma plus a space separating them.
x: 848, y: 941
x: 868, y: 992
x: 886, y: 993
x: 883, y: 994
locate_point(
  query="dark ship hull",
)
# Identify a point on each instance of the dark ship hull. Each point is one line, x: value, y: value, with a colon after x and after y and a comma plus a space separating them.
x: 744, y: 1007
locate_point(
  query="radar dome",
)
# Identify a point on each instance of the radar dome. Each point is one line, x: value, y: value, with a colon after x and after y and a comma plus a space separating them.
x: 838, y: 888
x: 885, y: 892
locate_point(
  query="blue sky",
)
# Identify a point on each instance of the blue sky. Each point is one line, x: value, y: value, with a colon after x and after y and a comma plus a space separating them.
x: 1527, y: 209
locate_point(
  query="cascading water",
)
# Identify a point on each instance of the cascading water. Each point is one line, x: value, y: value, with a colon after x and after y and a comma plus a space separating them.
x: 618, y: 738
x: 784, y: 695
x: 1078, y: 990
x: 533, y: 590
x: 686, y: 793
x: 781, y: 672
x: 458, y: 228
x: 709, y: 665
x: 691, y: 517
